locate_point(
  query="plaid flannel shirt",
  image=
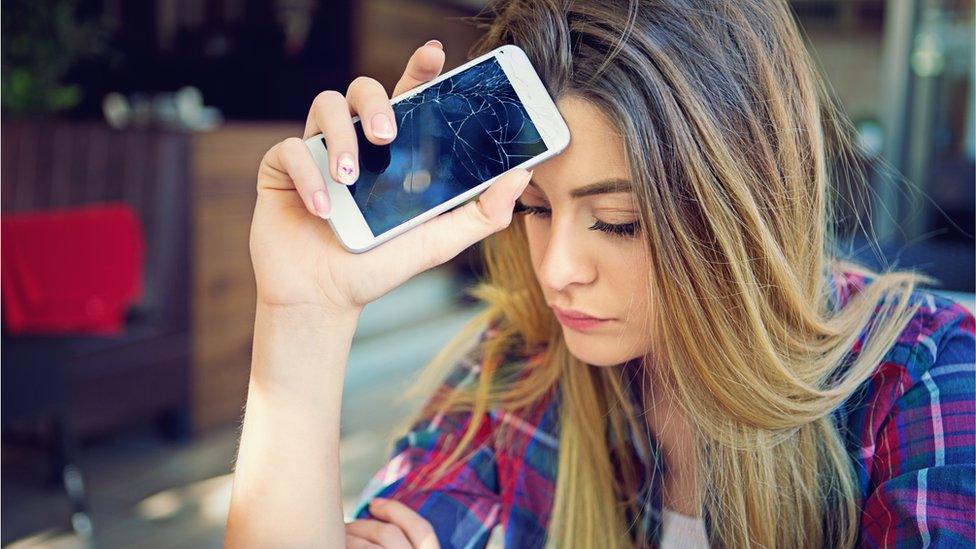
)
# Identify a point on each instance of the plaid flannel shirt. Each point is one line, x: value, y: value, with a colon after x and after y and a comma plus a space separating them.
x: 910, y: 430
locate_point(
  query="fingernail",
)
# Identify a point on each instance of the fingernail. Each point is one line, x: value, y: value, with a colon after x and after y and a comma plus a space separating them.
x: 346, y: 168
x: 376, y: 501
x: 321, y: 204
x: 382, y: 126
x: 518, y: 191
x: 435, y: 43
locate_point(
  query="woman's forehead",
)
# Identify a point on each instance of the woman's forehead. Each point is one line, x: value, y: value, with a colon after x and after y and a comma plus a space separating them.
x: 595, y: 151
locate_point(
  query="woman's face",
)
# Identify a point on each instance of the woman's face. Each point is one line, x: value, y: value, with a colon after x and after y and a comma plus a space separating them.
x: 580, y: 267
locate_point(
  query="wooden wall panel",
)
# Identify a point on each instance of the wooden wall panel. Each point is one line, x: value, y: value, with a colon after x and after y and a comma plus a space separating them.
x: 225, y: 164
x: 388, y: 31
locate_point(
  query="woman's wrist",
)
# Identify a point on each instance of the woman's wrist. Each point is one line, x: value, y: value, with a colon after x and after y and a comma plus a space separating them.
x: 300, y: 351
x: 308, y: 312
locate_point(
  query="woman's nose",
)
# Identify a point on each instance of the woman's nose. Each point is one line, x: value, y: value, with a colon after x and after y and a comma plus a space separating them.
x: 565, y: 261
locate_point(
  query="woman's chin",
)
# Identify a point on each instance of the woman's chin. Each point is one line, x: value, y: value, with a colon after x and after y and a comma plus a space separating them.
x: 599, y: 351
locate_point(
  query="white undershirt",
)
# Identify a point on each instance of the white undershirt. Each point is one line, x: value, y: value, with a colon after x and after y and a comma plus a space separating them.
x: 681, y: 531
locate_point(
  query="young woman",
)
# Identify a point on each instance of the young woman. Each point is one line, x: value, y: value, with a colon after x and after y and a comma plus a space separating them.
x: 738, y: 383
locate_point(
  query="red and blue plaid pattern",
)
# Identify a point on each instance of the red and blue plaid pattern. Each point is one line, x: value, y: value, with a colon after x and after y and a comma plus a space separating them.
x: 910, y: 429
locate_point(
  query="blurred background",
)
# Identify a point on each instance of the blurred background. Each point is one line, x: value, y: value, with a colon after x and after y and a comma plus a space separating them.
x: 131, y: 135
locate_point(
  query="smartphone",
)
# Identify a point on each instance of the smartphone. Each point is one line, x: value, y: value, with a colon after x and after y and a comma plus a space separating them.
x: 455, y: 135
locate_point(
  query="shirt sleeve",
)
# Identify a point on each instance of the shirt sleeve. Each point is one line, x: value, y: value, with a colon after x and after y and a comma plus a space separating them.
x: 925, y: 470
x: 464, y: 505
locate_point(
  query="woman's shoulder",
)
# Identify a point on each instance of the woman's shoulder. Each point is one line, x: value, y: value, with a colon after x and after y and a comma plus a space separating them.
x: 911, y: 427
x: 930, y: 364
x: 938, y: 322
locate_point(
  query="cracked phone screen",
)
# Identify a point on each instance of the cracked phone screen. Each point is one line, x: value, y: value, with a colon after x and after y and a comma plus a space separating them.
x: 451, y: 137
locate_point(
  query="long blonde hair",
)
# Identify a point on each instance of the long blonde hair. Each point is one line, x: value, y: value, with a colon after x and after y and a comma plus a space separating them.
x: 732, y: 141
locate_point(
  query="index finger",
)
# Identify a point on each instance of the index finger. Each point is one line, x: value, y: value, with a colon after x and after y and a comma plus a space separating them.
x: 418, y: 530
x: 424, y: 65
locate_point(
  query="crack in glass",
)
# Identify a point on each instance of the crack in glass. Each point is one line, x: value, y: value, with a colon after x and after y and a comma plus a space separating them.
x: 451, y: 137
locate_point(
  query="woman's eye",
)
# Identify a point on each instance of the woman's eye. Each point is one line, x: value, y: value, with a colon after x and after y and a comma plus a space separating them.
x: 623, y: 229
x: 531, y: 210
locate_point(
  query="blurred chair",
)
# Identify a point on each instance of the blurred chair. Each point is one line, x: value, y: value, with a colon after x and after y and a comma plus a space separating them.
x: 97, y: 383
x: 68, y: 275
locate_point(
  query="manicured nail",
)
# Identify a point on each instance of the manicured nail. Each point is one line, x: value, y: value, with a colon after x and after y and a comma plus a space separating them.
x: 346, y: 168
x: 321, y: 204
x: 382, y: 126
x: 435, y: 43
x: 521, y: 187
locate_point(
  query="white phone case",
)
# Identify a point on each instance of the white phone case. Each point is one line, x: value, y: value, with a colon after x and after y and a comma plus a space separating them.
x: 346, y: 218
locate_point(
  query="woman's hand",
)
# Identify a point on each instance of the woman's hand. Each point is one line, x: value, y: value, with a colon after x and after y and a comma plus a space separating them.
x: 399, y: 527
x: 297, y: 258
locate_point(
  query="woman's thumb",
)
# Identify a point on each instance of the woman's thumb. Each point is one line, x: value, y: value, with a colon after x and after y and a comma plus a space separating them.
x: 493, y: 208
x: 442, y: 238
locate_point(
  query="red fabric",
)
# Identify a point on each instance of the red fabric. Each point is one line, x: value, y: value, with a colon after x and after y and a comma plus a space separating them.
x: 70, y: 271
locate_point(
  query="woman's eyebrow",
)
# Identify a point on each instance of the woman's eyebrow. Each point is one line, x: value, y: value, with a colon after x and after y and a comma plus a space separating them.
x: 612, y: 185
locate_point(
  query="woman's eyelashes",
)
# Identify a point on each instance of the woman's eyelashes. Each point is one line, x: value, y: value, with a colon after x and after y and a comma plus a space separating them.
x: 623, y: 229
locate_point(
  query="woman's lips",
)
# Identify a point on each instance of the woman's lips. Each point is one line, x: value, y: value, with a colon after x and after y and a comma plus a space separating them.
x: 576, y: 320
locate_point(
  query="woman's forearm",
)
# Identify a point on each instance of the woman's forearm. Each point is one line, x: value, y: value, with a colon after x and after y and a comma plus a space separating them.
x: 287, y: 490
